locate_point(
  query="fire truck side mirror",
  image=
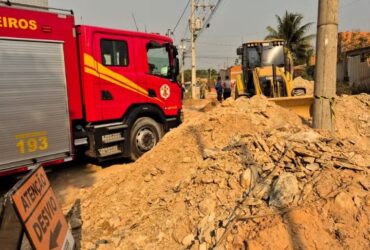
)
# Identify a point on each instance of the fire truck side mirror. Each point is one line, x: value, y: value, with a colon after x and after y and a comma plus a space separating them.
x: 176, y: 69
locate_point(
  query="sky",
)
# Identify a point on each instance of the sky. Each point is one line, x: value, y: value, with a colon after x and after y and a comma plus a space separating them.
x: 234, y: 22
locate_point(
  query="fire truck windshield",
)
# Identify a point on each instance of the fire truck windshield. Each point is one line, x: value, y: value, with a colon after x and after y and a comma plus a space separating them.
x: 159, y: 61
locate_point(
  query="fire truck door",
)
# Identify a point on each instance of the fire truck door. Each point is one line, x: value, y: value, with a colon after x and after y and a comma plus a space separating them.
x: 118, y: 88
x: 158, y: 77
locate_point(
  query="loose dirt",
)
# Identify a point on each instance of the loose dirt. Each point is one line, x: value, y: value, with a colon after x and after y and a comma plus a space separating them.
x: 244, y: 174
x: 300, y: 82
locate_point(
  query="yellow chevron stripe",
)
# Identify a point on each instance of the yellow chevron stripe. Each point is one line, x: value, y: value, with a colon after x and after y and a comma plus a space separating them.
x: 108, y: 79
x: 94, y: 68
x: 92, y: 63
x: 91, y: 71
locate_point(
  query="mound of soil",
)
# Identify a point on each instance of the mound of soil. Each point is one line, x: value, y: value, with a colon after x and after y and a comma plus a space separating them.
x: 300, y: 82
x: 245, y: 175
x: 352, y: 115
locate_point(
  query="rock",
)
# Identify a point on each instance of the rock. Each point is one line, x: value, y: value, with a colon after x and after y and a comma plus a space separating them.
x: 305, y: 152
x: 231, y: 182
x: 300, y: 175
x: 75, y: 223
x: 203, y: 246
x: 148, y: 178
x: 195, y: 245
x: 262, y: 191
x: 111, y: 190
x: 365, y: 183
x: 179, y: 233
x: 188, y: 239
x: 160, y: 237
x: 263, y: 144
x: 306, y: 191
x: 344, y: 201
x: 308, y: 159
x: 284, y: 190
x: 116, y: 240
x: 304, y: 137
x: 89, y: 246
x: 289, y: 167
x: 346, y: 165
x: 105, y: 247
x: 325, y: 186
x: 186, y: 160
x: 313, y: 166
x: 358, y: 160
x: 102, y: 242
x: 207, y: 206
x: 246, y: 179
x: 279, y: 147
x: 177, y: 187
x: 219, y: 233
x: 114, y: 222
x: 357, y: 201
x: 207, y: 234
x: 210, y: 153
x: 268, y: 167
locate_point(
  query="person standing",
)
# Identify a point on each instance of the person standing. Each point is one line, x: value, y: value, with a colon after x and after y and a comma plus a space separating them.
x: 218, y: 87
x: 227, y: 88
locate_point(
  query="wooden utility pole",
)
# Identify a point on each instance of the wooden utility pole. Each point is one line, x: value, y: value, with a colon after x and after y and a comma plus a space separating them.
x: 326, y: 65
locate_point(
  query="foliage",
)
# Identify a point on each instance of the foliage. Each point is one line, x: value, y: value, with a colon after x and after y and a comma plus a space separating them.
x: 201, y: 73
x: 290, y: 29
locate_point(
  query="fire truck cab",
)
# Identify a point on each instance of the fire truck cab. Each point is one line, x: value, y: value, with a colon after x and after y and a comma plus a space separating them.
x: 65, y: 87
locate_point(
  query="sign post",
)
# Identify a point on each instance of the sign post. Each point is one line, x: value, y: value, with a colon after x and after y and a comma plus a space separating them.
x: 40, y: 214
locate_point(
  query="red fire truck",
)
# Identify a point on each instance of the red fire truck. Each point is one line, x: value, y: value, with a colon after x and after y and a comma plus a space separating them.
x: 65, y: 87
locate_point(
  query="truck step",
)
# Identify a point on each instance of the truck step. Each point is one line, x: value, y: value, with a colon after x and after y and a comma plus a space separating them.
x: 123, y: 126
x: 111, y: 138
x: 108, y: 151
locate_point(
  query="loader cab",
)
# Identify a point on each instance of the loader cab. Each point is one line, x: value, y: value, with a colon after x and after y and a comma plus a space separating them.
x: 264, y: 68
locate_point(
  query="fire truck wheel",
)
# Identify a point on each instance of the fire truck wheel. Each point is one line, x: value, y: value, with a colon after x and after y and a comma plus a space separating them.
x: 145, y: 134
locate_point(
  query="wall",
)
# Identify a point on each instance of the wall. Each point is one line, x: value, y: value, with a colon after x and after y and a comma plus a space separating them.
x: 359, y: 73
x: 341, y: 71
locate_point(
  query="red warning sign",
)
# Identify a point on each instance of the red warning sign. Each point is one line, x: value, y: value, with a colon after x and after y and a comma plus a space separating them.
x: 40, y: 213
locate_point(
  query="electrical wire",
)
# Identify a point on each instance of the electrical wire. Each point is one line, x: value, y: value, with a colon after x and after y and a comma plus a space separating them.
x: 210, y: 17
x: 182, y: 15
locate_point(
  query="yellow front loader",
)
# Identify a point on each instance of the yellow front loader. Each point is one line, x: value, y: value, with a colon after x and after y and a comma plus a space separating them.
x: 266, y: 70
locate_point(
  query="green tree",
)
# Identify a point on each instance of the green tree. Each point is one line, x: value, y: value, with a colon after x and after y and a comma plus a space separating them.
x: 291, y: 29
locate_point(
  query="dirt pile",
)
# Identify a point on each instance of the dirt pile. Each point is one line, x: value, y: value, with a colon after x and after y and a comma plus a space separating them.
x: 352, y: 114
x: 245, y: 174
x: 300, y: 82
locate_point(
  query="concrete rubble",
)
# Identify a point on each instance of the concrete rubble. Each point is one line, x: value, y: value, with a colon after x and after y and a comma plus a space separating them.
x: 246, y: 173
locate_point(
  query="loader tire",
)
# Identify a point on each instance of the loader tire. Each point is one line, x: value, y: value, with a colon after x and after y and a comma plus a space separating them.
x: 145, y: 134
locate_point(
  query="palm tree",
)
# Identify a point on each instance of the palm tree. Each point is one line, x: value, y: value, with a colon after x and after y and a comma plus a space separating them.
x: 290, y: 29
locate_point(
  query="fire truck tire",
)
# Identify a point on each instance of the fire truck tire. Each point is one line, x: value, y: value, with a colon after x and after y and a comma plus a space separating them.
x: 145, y: 134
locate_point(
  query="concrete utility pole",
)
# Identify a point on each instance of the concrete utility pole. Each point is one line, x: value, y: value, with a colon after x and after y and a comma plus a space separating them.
x: 326, y: 65
x: 182, y: 51
x: 193, y: 52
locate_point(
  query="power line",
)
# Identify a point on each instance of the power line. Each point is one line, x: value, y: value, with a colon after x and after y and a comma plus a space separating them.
x: 217, y: 44
x: 213, y: 11
x: 182, y: 15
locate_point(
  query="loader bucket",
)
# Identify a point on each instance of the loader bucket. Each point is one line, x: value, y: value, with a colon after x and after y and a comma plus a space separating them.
x: 301, y: 105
